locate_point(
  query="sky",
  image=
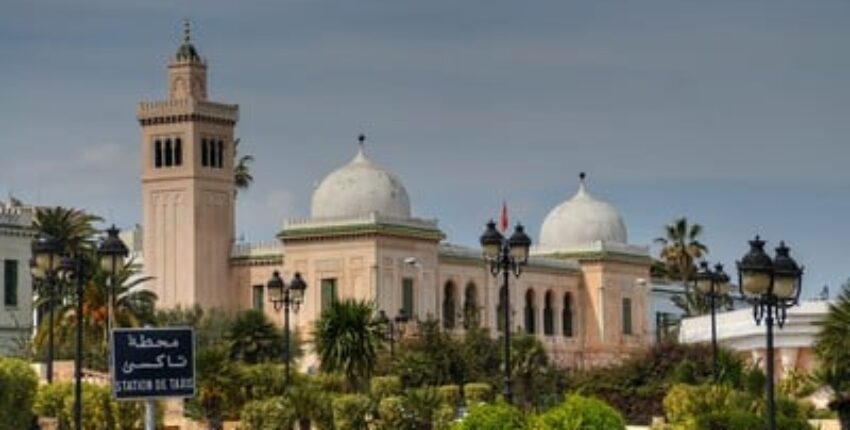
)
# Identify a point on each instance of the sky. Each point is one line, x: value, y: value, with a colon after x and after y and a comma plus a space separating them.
x: 735, y: 114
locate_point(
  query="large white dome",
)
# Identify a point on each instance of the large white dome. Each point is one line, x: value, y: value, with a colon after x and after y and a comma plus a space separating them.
x: 581, y: 221
x: 360, y: 187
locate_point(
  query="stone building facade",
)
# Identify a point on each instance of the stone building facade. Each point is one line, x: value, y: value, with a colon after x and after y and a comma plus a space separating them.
x: 584, y: 292
x: 16, y: 234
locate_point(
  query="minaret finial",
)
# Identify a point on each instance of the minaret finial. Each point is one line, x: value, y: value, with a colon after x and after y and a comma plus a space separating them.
x: 582, y: 176
x: 361, y: 141
x: 187, y: 31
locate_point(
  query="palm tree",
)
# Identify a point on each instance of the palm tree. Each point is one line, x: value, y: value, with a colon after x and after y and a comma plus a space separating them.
x: 72, y: 228
x: 242, y: 177
x: 832, y: 347
x: 253, y: 338
x: 347, y: 337
x: 132, y: 307
x: 680, y: 249
x: 528, y: 360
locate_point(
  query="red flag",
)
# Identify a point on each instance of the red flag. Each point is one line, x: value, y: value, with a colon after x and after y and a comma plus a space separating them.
x: 503, y: 218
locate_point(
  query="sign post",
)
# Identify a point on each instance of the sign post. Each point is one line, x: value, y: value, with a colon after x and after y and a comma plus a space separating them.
x: 153, y: 363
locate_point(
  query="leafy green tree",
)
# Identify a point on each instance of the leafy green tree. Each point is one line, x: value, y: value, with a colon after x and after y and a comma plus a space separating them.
x: 347, y: 337
x: 528, y: 362
x: 254, y: 339
x: 832, y: 347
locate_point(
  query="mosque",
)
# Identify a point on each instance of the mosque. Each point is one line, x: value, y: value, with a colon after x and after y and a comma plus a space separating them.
x: 585, y: 291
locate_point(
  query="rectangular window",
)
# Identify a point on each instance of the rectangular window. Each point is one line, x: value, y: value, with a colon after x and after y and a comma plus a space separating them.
x: 407, y: 296
x: 329, y: 292
x: 259, y: 297
x: 627, y: 316
x: 10, y: 283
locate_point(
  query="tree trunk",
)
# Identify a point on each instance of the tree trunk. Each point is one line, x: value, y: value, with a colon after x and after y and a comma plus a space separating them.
x: 844, y: 417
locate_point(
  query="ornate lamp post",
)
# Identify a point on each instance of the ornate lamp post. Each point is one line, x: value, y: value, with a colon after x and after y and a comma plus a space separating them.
x: 112, y: 253
x: 44, y: 265
x: 772, y: 286
x: 394, y: 327
x: 286, y: 297
x: 713, y: 284
x: 506, y: 256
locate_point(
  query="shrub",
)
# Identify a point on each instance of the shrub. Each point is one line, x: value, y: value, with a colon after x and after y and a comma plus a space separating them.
x: 477, y: 392
x: 637, y: 386
x: 449, y: 395
x: 18, y: 385
x: 580, y: 413
x: 350, y: 411
x: 392, y: 414
x: 275, y: 413
x: 385, y: 386
x: 51, y: 399
x: 714, y: 406
x: 101, y: 411
x: 498, y: 416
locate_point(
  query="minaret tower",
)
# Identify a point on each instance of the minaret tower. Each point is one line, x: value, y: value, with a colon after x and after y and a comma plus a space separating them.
x: 187, y: 187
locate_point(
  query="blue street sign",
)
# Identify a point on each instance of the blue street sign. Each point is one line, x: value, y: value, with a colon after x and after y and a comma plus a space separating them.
x: 153, y: 362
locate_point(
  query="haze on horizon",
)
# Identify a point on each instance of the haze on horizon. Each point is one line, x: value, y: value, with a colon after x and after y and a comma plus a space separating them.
x: 733, y: 114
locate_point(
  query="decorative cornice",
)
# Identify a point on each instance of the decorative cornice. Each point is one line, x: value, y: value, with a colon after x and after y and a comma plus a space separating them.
x: 458, y: 254
x: 360, y: 230
x: 186, y: 110
x: 257, y: 260
x: 620, y: 257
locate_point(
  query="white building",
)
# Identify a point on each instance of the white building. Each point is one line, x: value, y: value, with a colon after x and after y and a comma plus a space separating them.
x: 16, y: 234
x: 738, y: 331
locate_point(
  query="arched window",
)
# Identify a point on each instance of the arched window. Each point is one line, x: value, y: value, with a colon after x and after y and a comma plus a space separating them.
x: 178, y: 152
x: 169, y: 154
x: 449, y: 306
x: 530, y: 312
x: 470, y: 305
x: 548, y: 315
x: 567, y: 315
x: 500, y: 309
x: 158, y: 153
x: 220, y: 150
x: 205, y: 153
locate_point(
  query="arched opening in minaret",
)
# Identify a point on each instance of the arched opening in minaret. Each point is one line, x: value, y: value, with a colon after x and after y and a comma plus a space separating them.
x: 157, y: 153
x: 205, y: 153
x: 169, y: 154
x: 220, y: 155
x: 178, y: 152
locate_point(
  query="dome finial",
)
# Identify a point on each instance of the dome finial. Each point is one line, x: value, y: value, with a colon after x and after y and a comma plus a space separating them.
x: 187, y: 31
x: 582, y: 182
x: 361, y: 148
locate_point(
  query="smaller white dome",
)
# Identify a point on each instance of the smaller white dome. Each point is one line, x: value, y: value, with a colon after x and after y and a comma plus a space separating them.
x: 581, y: 221
x: 358, y: 188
